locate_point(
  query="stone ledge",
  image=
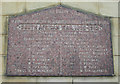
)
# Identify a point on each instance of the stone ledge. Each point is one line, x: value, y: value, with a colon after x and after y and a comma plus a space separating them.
x: 54, y: 79
x: 18, y: 79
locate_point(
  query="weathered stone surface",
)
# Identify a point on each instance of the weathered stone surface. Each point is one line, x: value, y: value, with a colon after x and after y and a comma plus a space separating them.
x: 4, y: 27
x: 119, y: 65
x: 109, y: 8
x: 41, y: 1
x: 13, y: 1
x: 3, y: 44
x: 1, y: 65
x: 86, y: 6
x: 59, y: 41
x: 0, y: 44
x: 32, y: 5
x: 9, y: 8
x: 0, y: 24
x: 115, y: 26
x: 0, y: 8
x: 116, y: 45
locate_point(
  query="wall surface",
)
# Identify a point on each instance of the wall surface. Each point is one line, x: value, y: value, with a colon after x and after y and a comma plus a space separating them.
x: 101, y: 7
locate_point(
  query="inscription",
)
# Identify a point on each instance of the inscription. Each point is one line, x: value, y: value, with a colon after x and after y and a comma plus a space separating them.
x: 59, y: 27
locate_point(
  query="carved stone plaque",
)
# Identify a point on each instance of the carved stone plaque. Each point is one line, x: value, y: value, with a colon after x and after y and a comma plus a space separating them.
x: 59, y: 41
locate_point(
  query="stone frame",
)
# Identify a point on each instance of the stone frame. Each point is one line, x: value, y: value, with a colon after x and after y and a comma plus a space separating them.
x: 71, y: 78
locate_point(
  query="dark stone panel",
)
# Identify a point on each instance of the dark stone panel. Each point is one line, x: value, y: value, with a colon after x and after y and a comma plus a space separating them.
x: 59, y: 41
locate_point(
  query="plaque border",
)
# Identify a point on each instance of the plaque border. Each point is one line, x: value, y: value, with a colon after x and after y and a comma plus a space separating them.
x: 69, y: 7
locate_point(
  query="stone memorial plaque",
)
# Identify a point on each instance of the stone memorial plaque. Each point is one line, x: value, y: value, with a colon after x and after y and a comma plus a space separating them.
x: 59, y: 41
